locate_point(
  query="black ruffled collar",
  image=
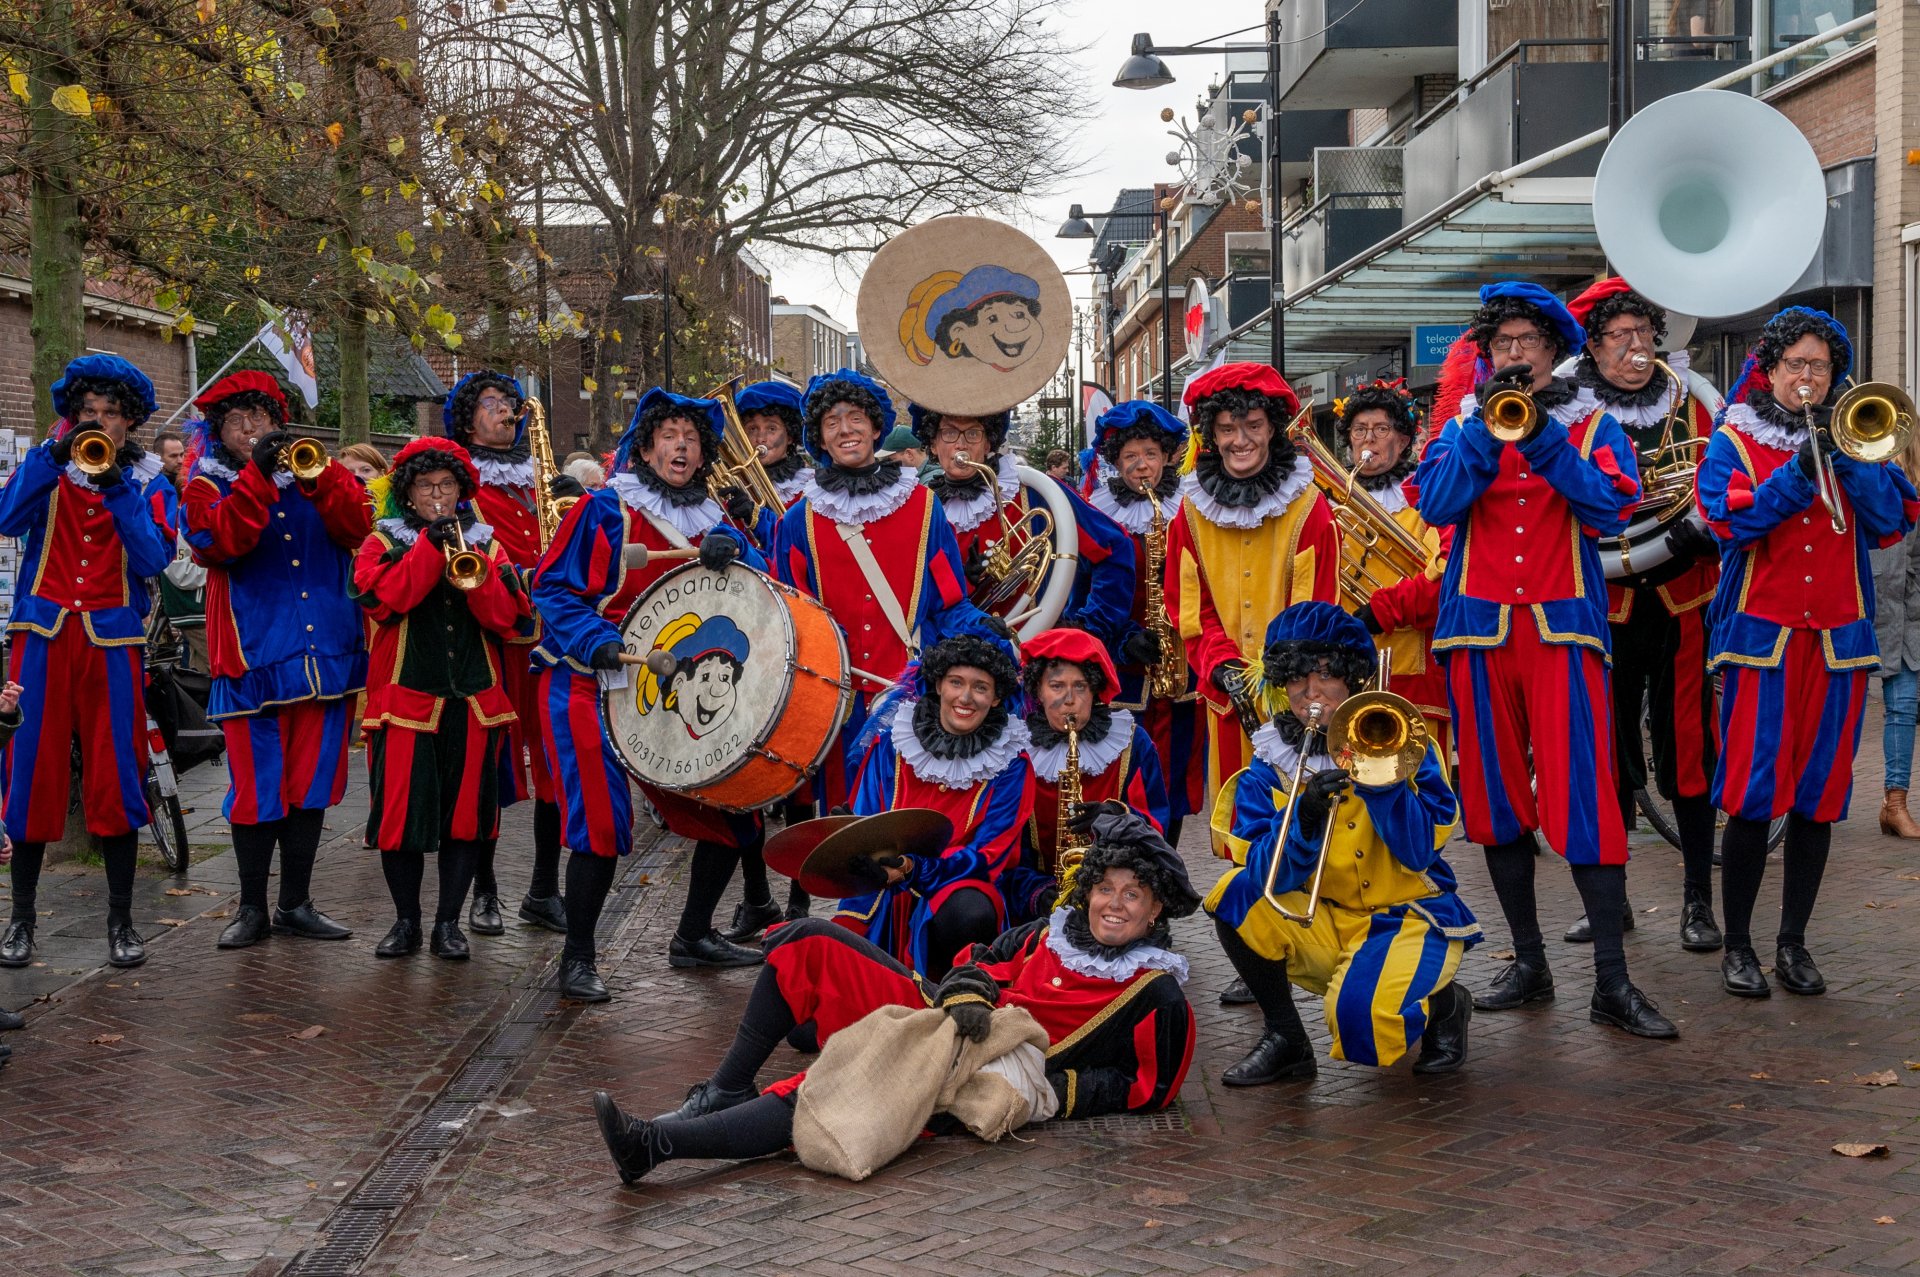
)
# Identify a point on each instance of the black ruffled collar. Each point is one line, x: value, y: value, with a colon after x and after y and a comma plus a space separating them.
x: 941, y: 743
x: 1775, y: 413
x: 1248, y: 492
x: 1045, y: 736
x: 1080, y: 935
x: 1587, y: 373
x: 519, y: 450
x: 692, y: 494
x: 1293, y: 732
x: 1392, y: 476
x: 1558, y: 393
x: 949, y: 489
x: 1126, y: 494
x: 863, y: 482
x: 788, y: 466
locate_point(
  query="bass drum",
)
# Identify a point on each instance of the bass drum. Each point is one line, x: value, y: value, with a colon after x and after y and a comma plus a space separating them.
x: 745, y: 688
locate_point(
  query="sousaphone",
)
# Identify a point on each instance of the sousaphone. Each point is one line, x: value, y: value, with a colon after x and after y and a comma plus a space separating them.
x: 968, y: 316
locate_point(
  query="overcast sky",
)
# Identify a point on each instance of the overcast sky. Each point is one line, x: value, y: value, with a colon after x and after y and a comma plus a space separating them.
x: 1124, y: 144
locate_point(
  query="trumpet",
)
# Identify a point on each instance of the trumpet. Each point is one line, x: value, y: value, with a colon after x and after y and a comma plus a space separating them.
x: 1872, y: 423
x: 1377, y: 738
x: 93, y: 452
x: 466, y: 567
x: 1510, y: 414
x: 304, y: 459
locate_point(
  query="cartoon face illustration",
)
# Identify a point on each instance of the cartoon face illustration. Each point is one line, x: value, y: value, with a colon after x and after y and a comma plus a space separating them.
x: 703, y: 692
x: 1002, y: 332
x: 989, y: 314
x: 702, y: 685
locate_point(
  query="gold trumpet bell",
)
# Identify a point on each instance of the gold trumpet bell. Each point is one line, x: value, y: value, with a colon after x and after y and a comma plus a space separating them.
x: 1873, y: 421
x: 1379, y: 738
x: 1509, y: 414
x: 93, y: 452
x: 304, y: 459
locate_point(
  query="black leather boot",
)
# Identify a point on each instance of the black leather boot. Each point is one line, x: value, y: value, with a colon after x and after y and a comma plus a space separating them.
x: 11, y: 1020
x: 1522, y: 982
x: 1793, y: 968
x: 1274, y: 1058
x: 1740, y: 973
x: 580, y: 981
x: 629, y: 1139
x: 1581, y: 932
x: 711, y: 950
x: 449, y: 942
x: 1443, y: 1048
x: 704, y: 1098
x: 16, y: 943
x: 402, y: 938
x: 546, y: 912
x: 125, y: 948
x: 1236, y: 994
x: 306, y: 921
x: 1625, y: 1007
x: 484, y: 916
x: 750, y: 920
x: 249, y: 927
x: 1699, y: 933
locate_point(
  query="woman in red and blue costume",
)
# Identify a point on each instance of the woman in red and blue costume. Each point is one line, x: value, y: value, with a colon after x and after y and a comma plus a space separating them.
x: 1522, y: 628
x: 656, y: 497
x: 88, y: 545
x: 1792, y: 629
x: 285, y: 642
x: 1068, y: 676
x: 774, y: 415
x: 1099, y: 974
x: 952, y: 740
x: 1137, y: 443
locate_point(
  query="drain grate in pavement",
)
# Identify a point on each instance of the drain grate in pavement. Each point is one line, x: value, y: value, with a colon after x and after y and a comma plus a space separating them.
x: 398, y: 1177
x: 513, y: 1040
x: 478, y: 1079
x: 351, y: 1236
x: 1168, y: 1121
x: 441, y: 1126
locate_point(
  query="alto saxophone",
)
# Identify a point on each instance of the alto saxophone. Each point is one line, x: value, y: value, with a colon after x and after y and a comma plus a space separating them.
x: 548, y: 509
x: 1070, y: 848
x: 1167, y: 679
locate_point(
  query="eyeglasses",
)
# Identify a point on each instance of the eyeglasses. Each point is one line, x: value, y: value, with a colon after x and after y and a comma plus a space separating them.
x: 1632, y: 334
x: 432, y: 488
x: 1528, y: 342
x: 1371, y: 430
x: 495, y: 401
x: 249, y: 416
x: 975, y: 436
x: 1818, y: 367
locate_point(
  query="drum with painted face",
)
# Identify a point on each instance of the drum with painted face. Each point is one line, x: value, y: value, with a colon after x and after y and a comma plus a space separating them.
x: 744, y: 689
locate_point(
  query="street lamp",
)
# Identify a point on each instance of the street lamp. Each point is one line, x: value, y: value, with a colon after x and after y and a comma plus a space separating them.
x: 1078, y: 226
x: 1144, y: 69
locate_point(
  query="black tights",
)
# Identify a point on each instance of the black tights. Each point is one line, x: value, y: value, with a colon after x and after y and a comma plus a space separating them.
x: 707, y: 879
x: 117, y: 854
x: 298, y: 835
x: 963, y: 918
x: 1603, y: 890
x: 754, y: 1129
x: 545, y: 882
x: 1272, y: 991
x: 405, y: 870
x: 763, y: 1026
x: 1743, y: 863
x: 1694, y: 818
x: 589, y: 879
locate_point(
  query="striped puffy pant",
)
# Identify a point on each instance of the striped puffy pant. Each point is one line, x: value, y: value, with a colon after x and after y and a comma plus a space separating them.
x: 434, y: 787
x: 285, y: 757
x: 76, y: 690
x: 1788, y: 735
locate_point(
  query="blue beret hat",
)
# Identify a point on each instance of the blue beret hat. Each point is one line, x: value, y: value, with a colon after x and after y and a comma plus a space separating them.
x: 104, y: 368
x: 1556, y: 310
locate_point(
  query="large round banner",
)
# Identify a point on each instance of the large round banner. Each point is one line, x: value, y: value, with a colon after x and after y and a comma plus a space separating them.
x: 744, y: 689
x: 965, y: 315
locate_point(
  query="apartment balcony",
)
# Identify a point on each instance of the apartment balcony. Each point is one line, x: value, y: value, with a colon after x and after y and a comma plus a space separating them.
x: 1362, y: 53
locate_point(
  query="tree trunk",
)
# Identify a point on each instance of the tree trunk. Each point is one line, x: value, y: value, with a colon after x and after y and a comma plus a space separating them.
x: 57, y: 256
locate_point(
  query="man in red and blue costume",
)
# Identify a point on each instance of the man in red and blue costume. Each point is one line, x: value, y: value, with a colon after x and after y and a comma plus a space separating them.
x: 1139, y: 444
x: 485, y: 415
x: 1104, y: 576
x: 774, y: 415
x: 950, y: 740
x: 286, y: 642
x: 88, y: 545
x: 1069, y: 678
x: 1523, y: 630
x: 872, y: 544
x: 1099, y: 974
x: 1792, y: 628
x: 656, y: 498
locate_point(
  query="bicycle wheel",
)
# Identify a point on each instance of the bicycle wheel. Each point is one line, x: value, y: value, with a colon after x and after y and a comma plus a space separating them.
x: 1655, y: 810
x: 168, y: 827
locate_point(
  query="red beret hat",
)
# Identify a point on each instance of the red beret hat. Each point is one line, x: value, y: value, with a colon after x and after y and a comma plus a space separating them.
x: 1583, y: 305
x: 235, y: 383
x: 1259, y: 378
x: 1077, y: 646
x: 456, y: 457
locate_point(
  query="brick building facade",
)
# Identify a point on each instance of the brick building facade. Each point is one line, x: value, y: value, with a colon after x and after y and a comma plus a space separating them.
x: 116, y: 324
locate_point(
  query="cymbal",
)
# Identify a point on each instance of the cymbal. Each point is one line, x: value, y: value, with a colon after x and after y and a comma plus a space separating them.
x: 788, y: 850
x: 910, y: 831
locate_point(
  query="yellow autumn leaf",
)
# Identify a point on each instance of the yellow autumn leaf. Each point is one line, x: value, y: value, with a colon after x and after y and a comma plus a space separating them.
x: 184, y: 324
x: 452, y: 340
x: 17, y: 83
x: 335, y: 132
x: 396, y: 145
x: 204, y: 10
x: 73, y: 99
x: 589, y: 385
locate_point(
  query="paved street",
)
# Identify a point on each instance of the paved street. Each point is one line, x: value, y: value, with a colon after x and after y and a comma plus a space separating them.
x: 186, y: 1118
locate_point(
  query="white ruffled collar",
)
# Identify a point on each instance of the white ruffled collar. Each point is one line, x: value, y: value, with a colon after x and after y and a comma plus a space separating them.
x: 1392, y: 498
x: 1278, y: 753
x: 496, y: 473
x: 212, y: 465
x: 792, y: 486
x: 1135, y: 516
x: 956, y: 773
x: 1095, y: 756
x: 1121, y: 967
x: 842, y: 507
x: 1743, y: 418
x: 689, y: 521
x: 969, y: 512
x: 477, y: 534
x: 1273, y: 504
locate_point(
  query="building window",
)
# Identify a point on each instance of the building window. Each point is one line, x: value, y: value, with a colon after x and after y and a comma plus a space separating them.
x: 1791, y: 21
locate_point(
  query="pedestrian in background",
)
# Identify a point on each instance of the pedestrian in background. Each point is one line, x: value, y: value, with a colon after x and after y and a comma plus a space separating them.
x: 1896, y: 625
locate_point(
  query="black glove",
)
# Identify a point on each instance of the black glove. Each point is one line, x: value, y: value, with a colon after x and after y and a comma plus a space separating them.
x: 1366, y: 617
x: 1230, y: 677
x: 871, y: 871
x: 1001, y: 628
x: 61, y: 449
x: 1822, y: 414
x: 968, y: 995
x: 266, y: 453
x: 718, y: 551
x: 1142, y: 647
x: 1518, y: 377
x: 111, y: 477
x: 841, y: 810
x: 442, y: 531
x: 1318, y: 796
x: 1085, y: 814
x: 1687, y: 540
x: 1809, y: 465
x: 975, y: 567
x: 740, y: 507
x: 565, y: 485
x: 607, y: 656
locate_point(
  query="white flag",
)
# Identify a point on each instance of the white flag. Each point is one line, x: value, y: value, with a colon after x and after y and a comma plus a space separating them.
x: 285, y: 336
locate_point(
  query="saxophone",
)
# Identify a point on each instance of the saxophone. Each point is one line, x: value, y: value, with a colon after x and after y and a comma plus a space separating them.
x: 548, y: 509
x: 1070, y: 847
x: 1168, y: 677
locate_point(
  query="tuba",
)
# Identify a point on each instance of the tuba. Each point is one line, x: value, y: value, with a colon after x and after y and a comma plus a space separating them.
x: 739, y: 464
x: 93, y: 452
x: 1667, y: 470
x: 1375, y: 551
x: 1028, y: 574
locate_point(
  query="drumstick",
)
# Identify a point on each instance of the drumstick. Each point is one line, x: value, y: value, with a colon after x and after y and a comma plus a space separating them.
x: 637, y: 555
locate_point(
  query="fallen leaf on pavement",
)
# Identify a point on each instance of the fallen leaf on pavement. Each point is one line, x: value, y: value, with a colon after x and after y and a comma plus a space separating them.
x: 1885, y: 1077
x: 1505, y: 955
x: 1873, y: 904
x: 1759, y: 1077
x: 1151, y: 1223
x: 106, y: 1039
x: 1736, y: 1106
x: 1884, y: 1219
x: 1861, y: 1150
x: 1914, y: 1065
x: 1160, y: 1197
x: 1820, y: 1081
x: 171, y: 922
x: 1910, y: 877
x: 309, y: 1033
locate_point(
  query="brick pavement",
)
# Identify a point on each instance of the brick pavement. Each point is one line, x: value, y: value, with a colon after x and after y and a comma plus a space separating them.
x: 1563, y: 1148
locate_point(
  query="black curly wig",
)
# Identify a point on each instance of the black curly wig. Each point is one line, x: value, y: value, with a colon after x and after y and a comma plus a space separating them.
x: 1400, y: 410
x: 1284, y: 662
x: 425, y: 462
x: 1614, y: 305
x: 789, y: 417
x: 1115, y: 440
x: 1487, y: 321
x: 926, y: 424
x: 971, y: 314
x: 836, y: 391
x: 1175, y: 902
x: 118, y: 392
x: 1788, y: 327
x: 250, y: 400
x: 970, y: 650
x: 467, y: 396
x: 1036, y: 673
x: 649, y: 424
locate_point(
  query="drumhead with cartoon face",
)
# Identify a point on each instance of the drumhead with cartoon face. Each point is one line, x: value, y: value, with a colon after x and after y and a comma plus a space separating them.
x: 718, y: 650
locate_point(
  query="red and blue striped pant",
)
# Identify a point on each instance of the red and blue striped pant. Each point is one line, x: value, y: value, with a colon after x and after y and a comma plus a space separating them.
x: 285, y: 757
x: 1788, y: 735
x: 76, y: 690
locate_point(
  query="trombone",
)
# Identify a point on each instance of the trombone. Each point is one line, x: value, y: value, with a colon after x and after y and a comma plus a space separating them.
x: 1872, y: 423
x: 1376, y: 737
